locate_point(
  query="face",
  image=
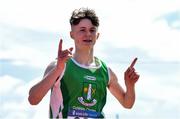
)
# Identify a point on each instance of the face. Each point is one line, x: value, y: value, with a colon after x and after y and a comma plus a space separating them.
x: 84, y: 34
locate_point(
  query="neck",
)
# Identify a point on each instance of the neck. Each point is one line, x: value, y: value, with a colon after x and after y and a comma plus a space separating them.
x: 84, y: 57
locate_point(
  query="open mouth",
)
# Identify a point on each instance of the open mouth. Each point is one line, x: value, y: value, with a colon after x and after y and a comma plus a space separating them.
x: 87, y: 41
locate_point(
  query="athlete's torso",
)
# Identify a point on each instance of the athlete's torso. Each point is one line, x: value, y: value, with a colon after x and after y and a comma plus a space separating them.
x: 84, y: 89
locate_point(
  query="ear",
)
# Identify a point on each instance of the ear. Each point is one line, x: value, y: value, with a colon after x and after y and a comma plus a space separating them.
x: 71, y: 34
x: 97, y: 35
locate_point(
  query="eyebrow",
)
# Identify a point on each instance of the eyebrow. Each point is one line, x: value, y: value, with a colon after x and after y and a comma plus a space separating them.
x: 82, y: 27
x: 85, y: 27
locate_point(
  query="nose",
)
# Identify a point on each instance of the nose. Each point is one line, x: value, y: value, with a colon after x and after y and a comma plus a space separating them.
x: 88, y: 33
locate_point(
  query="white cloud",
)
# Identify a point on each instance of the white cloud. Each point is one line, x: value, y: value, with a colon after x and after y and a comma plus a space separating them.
x: 23, y: 55
x: 14, y: 100
x: 176, y: 24
x: 160, y: 41
x: 134, y: 25
x: 7, y: 83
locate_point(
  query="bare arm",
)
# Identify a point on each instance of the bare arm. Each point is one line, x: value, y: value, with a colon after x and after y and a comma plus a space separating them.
x: 126, y: 98
x: 38, y: 91
x: 53, y: 71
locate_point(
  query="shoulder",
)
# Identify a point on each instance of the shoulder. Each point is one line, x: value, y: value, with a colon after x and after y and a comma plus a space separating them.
x: 100, y: 62
x: 111, y: 75
x: 106, y: 69
x: 113, y: 80
x: 50, y: 66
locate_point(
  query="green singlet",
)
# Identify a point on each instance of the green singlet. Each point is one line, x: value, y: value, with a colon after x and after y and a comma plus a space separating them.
x: 84, y: 89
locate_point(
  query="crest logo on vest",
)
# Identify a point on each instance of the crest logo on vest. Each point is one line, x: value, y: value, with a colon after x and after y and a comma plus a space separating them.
x: 89, y: 90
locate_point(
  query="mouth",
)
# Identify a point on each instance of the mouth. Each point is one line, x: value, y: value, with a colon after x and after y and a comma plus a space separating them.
x: 87, y: 41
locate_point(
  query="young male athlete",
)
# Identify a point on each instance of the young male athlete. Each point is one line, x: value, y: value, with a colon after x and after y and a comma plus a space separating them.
x: 78, y: 81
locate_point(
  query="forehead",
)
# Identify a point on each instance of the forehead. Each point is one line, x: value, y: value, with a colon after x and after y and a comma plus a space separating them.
x: 84, y: 23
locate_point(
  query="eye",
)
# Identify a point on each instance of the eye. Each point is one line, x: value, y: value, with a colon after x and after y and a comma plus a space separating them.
x: 93, y: 30
x: 82, y: 30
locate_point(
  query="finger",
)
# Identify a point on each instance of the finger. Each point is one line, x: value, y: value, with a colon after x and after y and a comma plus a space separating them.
x: 133, y: 63
x: 131, y: 72
x: 133, y: 76
x: 60, y: 46
x: 71, y: 49
x: 136, y: 77
x: 64, y: 53
x: 65, y: 57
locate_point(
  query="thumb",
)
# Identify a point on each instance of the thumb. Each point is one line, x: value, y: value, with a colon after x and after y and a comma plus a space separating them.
x: 71, y: 49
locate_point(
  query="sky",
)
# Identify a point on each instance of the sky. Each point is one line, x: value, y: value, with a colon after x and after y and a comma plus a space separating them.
x: 148, y: 29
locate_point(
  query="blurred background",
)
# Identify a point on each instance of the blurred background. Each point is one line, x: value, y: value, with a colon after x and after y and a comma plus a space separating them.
x: 148, y: 29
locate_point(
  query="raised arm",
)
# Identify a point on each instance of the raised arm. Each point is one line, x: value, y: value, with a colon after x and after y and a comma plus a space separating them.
x: 126, y: 98
x: 53, y: 71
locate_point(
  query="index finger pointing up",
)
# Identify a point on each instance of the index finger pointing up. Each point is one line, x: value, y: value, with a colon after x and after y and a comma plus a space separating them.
x: 133, y: 63
x: 60, y: 46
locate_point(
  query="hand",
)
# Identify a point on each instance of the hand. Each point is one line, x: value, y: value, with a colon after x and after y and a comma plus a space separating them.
x: 63, y: 55
x: 130, y: 75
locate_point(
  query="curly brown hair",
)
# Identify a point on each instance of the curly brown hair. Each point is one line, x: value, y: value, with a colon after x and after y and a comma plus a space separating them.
x: 84, y: 13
